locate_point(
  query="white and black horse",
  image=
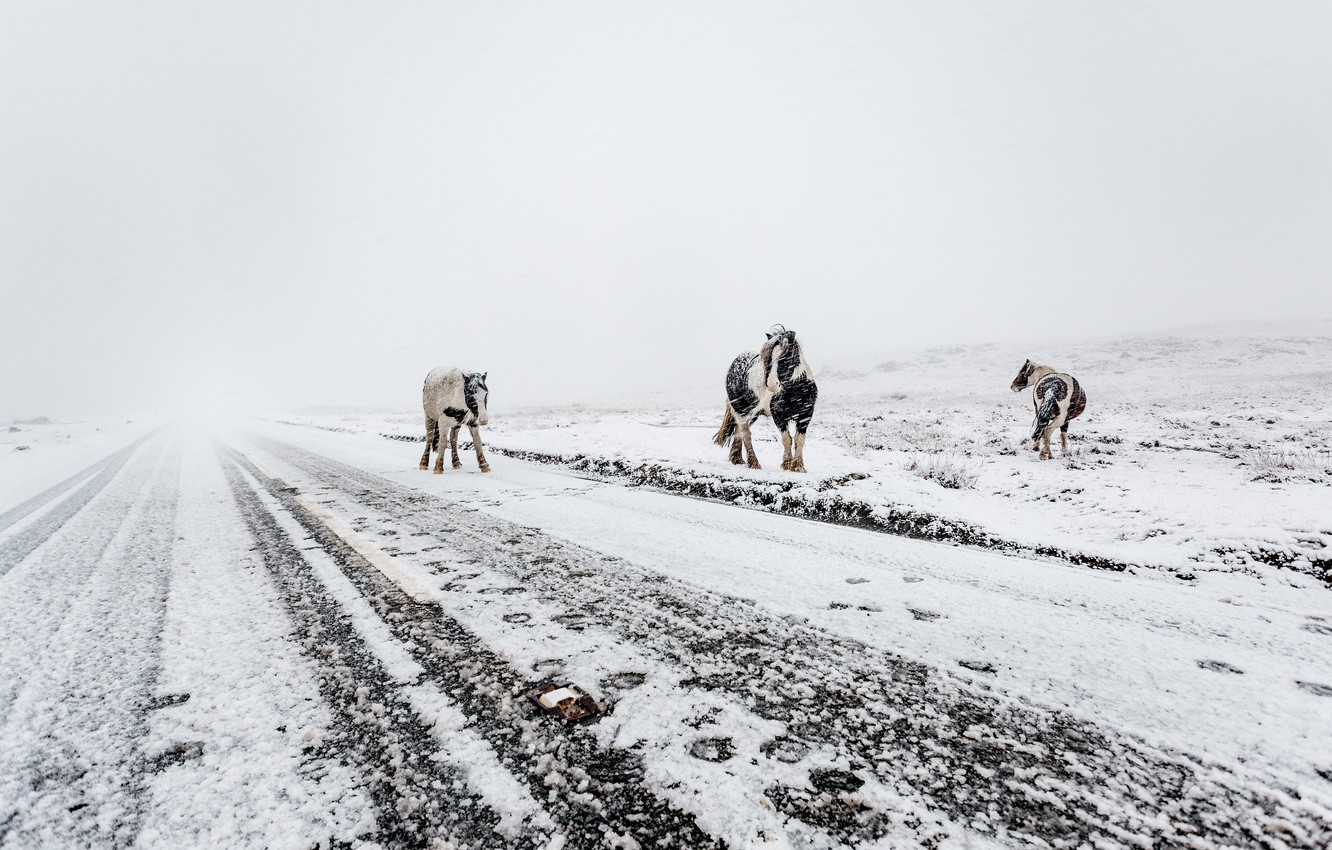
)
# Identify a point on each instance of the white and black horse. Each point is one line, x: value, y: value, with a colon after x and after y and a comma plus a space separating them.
x: 773, y: 381
x: 1058, y: 399
x: 453, y: 398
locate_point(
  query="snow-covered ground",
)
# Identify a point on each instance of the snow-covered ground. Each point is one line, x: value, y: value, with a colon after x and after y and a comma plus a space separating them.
x: 1208, y: 449
x: 38, y: 453
x: 278, y: 632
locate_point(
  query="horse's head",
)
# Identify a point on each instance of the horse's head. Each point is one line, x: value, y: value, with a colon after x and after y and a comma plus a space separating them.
x: 1023, y: 379
x: 780, y: 348
x: 476, y: 394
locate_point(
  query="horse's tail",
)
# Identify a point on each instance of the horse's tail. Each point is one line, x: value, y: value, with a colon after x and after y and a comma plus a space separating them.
x: 1046, y: 411
x: 727, y: 429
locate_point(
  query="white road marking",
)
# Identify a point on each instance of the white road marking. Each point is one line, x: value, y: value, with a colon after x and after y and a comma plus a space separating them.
x: 381, y: 560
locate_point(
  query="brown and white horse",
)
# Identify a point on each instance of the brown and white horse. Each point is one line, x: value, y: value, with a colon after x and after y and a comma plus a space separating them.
x: 1058, y: 399
x: 773, y: 381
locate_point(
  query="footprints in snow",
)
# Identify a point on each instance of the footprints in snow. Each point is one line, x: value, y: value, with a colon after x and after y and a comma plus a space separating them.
x: 712, y: 749
x: 926, y: 616
x: 176, y: 752
x: 162, y: 701
x: 1219, y: 667
x: 977, y: 666
x: 788, y: 750
x: 877, y: 609
x: 1315, y: 688
x: 839, y: 606
x: 625, y: 681
x: 828, y: 798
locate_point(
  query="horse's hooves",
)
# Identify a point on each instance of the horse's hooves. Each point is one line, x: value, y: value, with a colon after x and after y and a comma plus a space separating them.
x: 439, y: 471
x: 457, y: 466
x: 485, y: 469
x: 753, y: 464
x: 423, y: 467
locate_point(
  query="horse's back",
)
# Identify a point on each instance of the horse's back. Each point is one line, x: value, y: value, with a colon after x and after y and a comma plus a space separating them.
x: 441, y: 385
x: 744, y: 382
x: 1064, y: 386
x: 443, y: 374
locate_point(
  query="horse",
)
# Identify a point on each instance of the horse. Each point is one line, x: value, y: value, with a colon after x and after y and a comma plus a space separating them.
x: 455, y: 398
x: 773, y: 381
x: 1058, y: 399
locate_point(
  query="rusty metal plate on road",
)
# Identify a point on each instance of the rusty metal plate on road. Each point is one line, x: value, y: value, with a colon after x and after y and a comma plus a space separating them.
x: 564, y: 701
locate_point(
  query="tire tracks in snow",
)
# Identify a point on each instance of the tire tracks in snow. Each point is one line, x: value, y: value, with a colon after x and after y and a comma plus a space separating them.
x: 82, y: 655
x: 997, y: 765
x: 421, y: 799
x: 608, y: 803
x: 14, y: 549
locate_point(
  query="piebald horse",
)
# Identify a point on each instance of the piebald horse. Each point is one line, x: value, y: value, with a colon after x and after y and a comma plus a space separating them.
x: 1058, y: 399
x: 773, y: 381
x: 451, y: 399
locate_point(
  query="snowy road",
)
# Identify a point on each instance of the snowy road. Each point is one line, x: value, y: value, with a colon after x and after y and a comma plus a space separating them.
x: 286, y: 637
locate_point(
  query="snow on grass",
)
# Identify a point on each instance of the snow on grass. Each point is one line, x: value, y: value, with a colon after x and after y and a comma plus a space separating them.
x: 949, y: 471
x: 1282, y: 466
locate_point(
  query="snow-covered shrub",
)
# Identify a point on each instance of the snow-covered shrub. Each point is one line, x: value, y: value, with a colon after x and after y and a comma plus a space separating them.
x: 1278, y: 466
x: 859, y: 437
x: 950, y: 471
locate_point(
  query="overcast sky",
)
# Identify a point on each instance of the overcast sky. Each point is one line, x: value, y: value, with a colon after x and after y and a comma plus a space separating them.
x: 289, y: 204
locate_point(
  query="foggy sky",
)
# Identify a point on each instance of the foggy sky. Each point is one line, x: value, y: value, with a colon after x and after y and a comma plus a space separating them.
x: 289, y: 204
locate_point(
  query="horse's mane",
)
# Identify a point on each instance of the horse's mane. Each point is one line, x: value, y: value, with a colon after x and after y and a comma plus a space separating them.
x: 765, y: 353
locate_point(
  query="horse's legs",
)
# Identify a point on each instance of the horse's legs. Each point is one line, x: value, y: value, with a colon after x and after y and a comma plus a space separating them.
x: 736, y: 455
x: 1044, y: 441
x: 453, y: 445
x: 783, y: 428
x: 431, y: 436
x: 443, y: 445
x: 1063, y: 439
x: 745, y: 432
x: 802, y: 421
x: 476, y: 443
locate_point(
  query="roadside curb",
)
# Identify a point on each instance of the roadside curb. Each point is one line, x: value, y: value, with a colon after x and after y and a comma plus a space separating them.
x: 817, y: 499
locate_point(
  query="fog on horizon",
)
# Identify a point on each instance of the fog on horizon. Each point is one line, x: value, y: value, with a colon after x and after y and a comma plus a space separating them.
x: 285, y: 205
